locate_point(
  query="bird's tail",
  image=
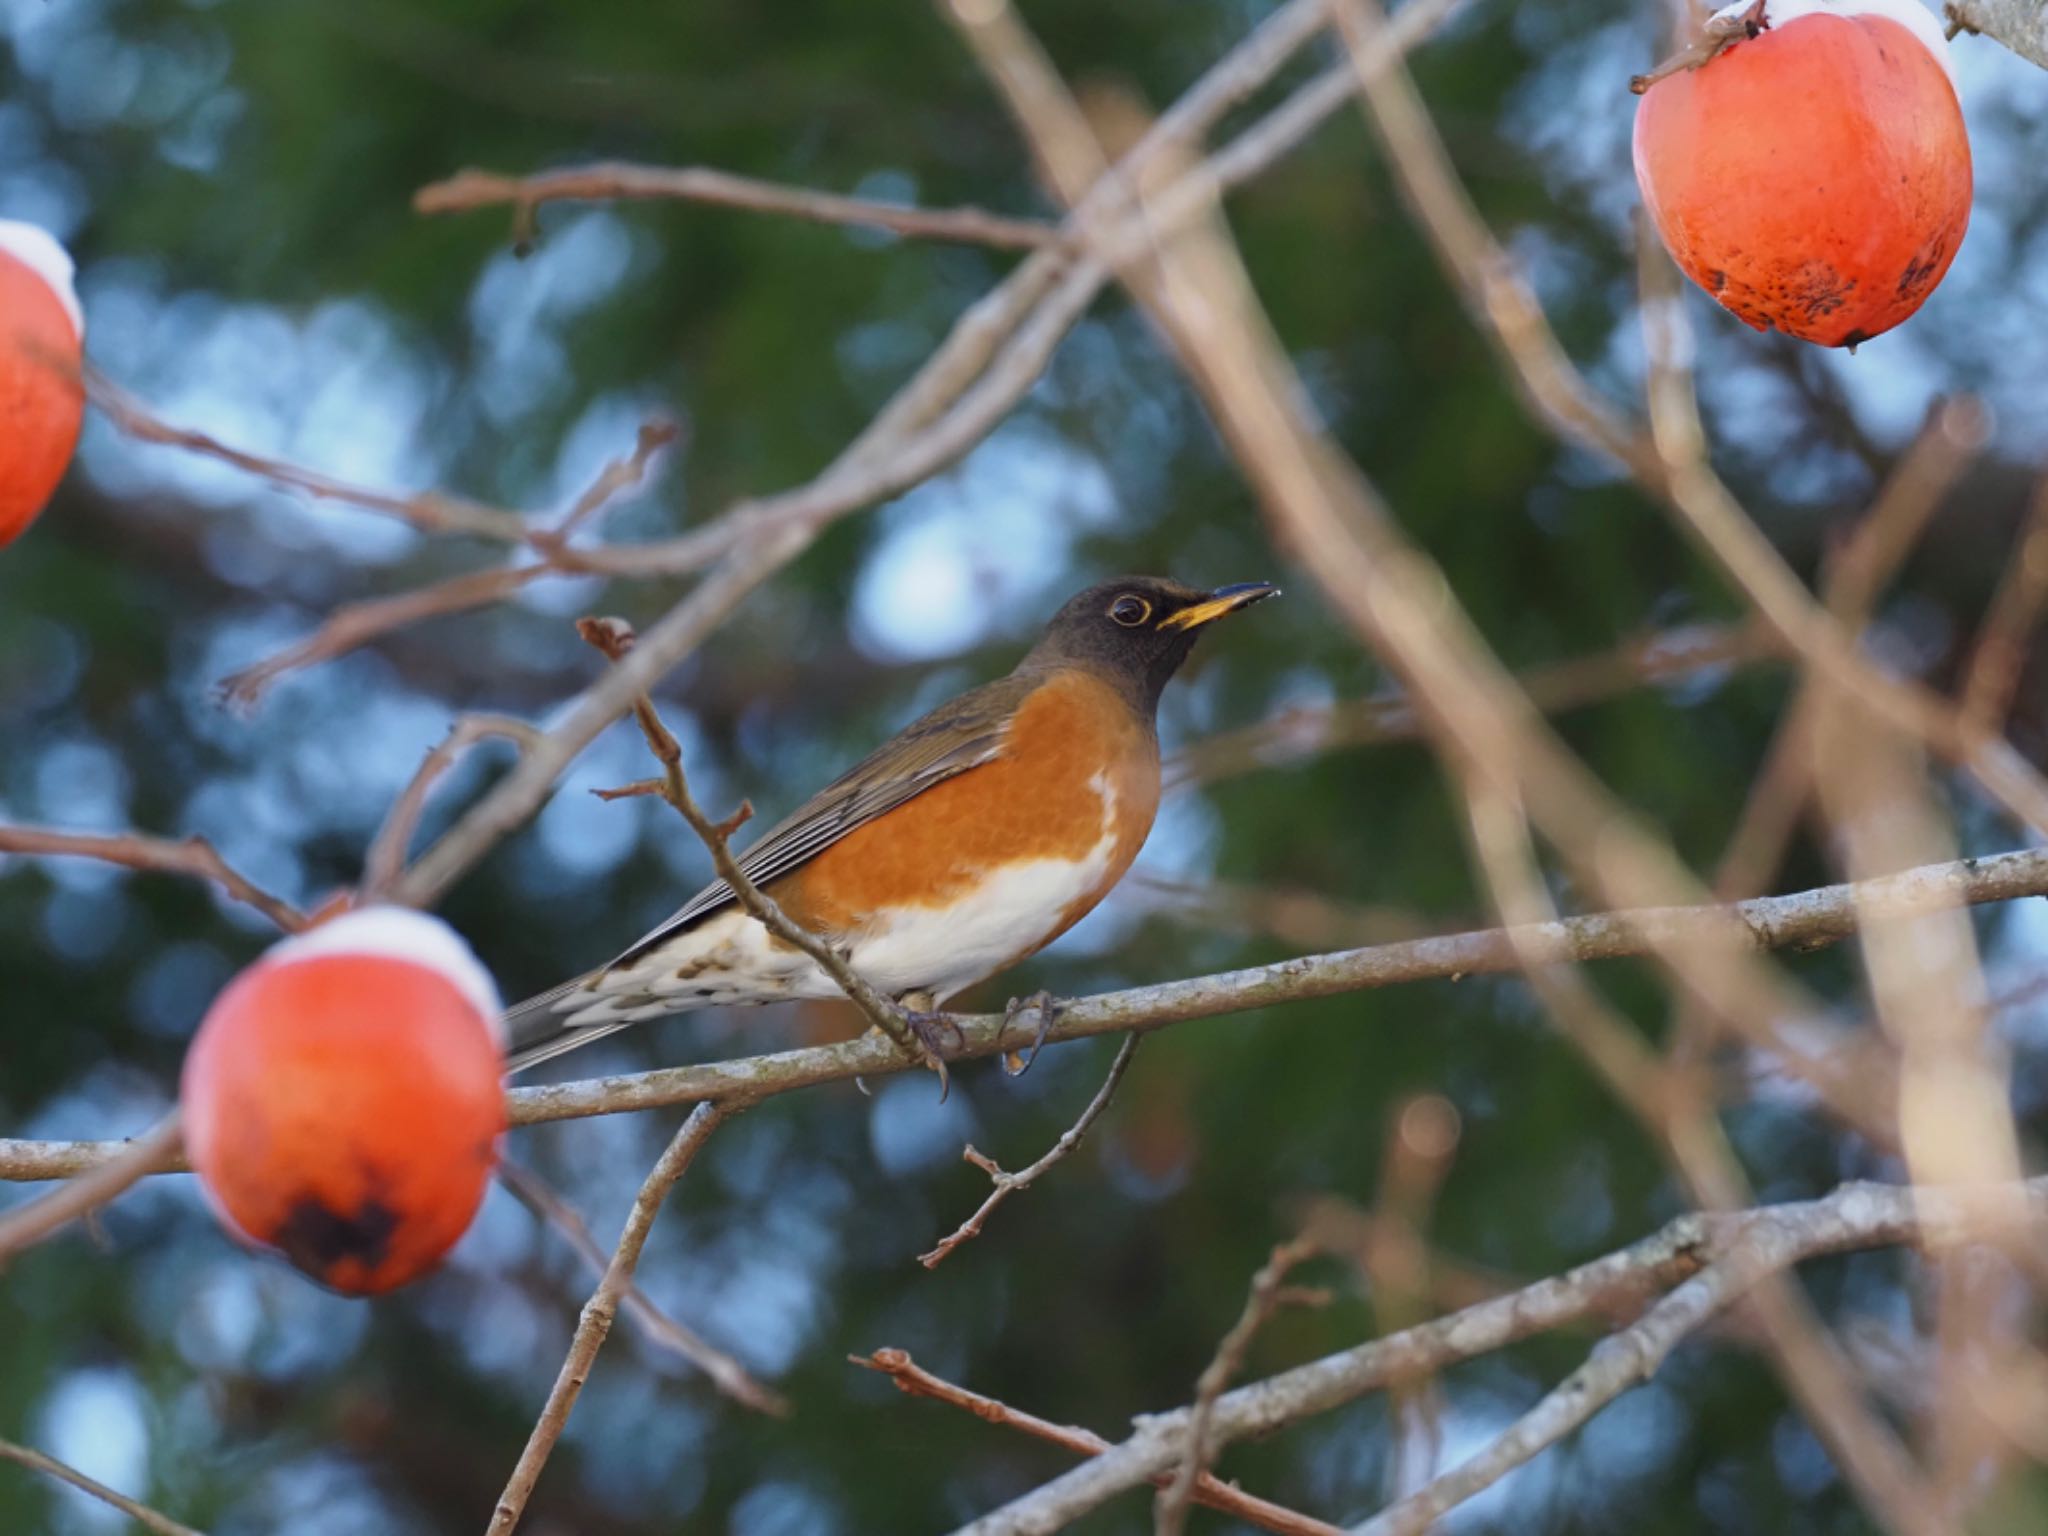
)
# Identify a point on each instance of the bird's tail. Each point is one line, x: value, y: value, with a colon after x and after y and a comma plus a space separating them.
x: 536, y: 1030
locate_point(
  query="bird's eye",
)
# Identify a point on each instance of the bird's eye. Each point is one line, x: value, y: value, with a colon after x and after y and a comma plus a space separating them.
x: 1130, y: 611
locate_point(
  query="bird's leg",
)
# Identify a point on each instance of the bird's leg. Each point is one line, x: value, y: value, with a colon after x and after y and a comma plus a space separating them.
x: 1048, y: 1011
x: 930, y: 1029
x: 930, y: 1025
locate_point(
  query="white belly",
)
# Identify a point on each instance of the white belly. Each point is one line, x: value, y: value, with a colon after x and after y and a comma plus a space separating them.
x: 728, y: 959
x: 914, y: 949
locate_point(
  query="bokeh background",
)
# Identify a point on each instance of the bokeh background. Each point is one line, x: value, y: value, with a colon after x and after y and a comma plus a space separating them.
x: 235, y: 179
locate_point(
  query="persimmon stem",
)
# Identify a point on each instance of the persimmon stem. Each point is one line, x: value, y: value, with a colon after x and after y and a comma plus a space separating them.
x: 1720, y: 30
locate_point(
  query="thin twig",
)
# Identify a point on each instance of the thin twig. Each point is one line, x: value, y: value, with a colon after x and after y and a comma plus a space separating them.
x: 386, y: 858
x: 193, y: 856
x: 1502, y: 305
x: 726, y: 1373
x: 149, y: 1519
x: 1301, y: 919
x: 1268, y: 1293
x: 2000, y: 654
x: 1956, y: 1124
x: 429, y: 511
x: 1668, y: 656
x: 1506, y: 857
x: 915, y: 1381
x: 355, y: 625
x: 613, y: 180
x: 598, y: 1312
x: 615, y: 638
x: 1007, y: 1184
x: 620, y: 475
x: 1259, y: 147
x: 1850, y: 588
x: 1395, y: 1262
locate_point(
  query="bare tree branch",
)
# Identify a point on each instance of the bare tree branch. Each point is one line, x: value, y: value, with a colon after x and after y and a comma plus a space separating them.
x: 1668, y: 656
x: 155, y: 1151
x: 1803, y: 921
x: 914, y: 1380
x: 615, y: 180
x: 1999, y: 656
x: 430, y: 511
x: 2022, y: 25
x: 356, y: 624
x: 1620, y: 1362
x: 186, y: 856
x: 141, y: 1514
x: 1269, y: 1292
x: 726, y: 1373
x: 1007, y: 1184
x: 1850, y: 590
x: 1770, y: 1239
x: 1676, y: 1110
x: 386, y: 858
x: 598, y: 1313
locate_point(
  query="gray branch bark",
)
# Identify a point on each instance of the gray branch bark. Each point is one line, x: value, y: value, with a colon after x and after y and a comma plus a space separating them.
x: 1735, y: 1250
x: 1803, y: 920
x: 2021, y: 25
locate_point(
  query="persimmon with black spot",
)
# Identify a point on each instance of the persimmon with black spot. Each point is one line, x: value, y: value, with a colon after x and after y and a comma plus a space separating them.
x: 1806, y: 163
x: 343, y: 1098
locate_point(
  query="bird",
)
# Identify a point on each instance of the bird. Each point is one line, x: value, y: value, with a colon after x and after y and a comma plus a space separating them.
x: 970, y: 840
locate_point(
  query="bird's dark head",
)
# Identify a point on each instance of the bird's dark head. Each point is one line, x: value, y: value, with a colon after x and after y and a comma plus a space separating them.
x: 1137, y: 630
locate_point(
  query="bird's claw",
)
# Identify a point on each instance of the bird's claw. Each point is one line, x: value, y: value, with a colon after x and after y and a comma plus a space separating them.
x: 937, y: 1034
x: 1048, y: 1008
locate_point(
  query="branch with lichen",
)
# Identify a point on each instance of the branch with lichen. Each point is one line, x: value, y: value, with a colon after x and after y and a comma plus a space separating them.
x: 1801, y: 921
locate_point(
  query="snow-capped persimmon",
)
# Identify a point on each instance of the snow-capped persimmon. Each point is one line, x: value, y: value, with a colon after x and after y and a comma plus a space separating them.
x: 343, y: 1098
x: 42, y: 333
x: 1813, y: 174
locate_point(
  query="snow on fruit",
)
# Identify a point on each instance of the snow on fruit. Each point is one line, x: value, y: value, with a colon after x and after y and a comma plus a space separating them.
x: 1807, y: 164
x: 343, y: 1098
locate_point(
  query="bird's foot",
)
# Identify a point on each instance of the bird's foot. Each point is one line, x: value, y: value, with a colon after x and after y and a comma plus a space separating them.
x: 1049, y: 1009
x: 936, y: 1032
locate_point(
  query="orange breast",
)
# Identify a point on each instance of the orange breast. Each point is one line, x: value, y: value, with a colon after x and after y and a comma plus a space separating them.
x: 1071, y: 742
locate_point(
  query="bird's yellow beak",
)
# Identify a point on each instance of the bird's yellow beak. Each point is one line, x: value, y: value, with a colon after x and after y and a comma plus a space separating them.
x: 1223, y: 600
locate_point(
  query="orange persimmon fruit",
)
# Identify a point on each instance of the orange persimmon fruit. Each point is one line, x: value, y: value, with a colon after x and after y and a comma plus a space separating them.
x: 42, y: 334
x: 343, y: 1098
x: 1814, y: 173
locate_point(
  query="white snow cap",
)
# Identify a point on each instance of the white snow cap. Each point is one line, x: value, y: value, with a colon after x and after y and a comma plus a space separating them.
x: 400, y: 933
x: 1910, y: 14
x: 38, y: 250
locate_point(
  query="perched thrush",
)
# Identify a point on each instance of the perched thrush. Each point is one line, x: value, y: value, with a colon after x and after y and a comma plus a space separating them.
x: 973, y: 838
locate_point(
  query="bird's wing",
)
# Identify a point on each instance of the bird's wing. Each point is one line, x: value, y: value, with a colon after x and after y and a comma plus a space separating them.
x: 957, y: 736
